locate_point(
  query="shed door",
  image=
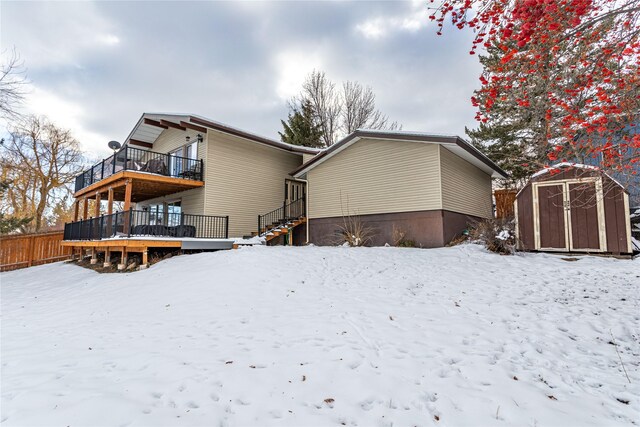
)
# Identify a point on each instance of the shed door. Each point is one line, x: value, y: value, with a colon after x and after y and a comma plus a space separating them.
x: 585, y: 227
x: 569, y: 216
x: 552, y: 216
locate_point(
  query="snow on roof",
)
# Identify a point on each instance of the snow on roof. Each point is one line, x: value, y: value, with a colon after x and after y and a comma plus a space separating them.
x: 572, y: 165
x: 409, y: 133
x: 563, y: 165
x: 293, y: 146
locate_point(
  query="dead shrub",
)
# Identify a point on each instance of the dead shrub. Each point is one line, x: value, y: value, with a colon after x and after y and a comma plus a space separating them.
x: 497, y: 235
x: 354, y: 232
x: 398, y: 235
x: 399, y: 238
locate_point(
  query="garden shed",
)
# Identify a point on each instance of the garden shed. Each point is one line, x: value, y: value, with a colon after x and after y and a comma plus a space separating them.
x: 573, y: 208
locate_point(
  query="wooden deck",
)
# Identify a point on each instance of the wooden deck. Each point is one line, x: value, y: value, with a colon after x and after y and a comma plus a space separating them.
x: 141, y: 245
x: 144, y: 186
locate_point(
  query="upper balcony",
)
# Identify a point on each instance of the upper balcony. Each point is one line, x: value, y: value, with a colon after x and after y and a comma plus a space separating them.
x: 137, y: 160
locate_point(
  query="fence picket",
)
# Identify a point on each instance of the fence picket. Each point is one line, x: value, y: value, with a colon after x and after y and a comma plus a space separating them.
x: 25, y: 250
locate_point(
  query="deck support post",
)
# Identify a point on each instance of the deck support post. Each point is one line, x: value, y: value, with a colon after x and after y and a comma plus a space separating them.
x: 145, y: 259
x: 85, y: 208
x: 76, y: 210
x: 123, y: 259
x: 109, y: 229
x: 94, y: 258
x: 97, y: 208
x: 127, y: 194
x: 107, y: 258
x: 110, y: 201
x: 127, y: 206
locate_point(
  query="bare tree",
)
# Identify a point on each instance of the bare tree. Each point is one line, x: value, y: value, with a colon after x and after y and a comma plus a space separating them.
x: 40, y: 159
x: 359, y: 109
x: 12, y: 85
x: 321, y: 92
x: 340, y: 112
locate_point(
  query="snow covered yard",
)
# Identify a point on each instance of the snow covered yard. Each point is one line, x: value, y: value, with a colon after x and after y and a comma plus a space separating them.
x: 325, y: 336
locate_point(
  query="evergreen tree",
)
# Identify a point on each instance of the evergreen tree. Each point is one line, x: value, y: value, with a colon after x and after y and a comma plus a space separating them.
x: 300, y: 128
x: 566, y: 78
x: 514, y: 154
x: 9, y: 224
x: 511, y: 136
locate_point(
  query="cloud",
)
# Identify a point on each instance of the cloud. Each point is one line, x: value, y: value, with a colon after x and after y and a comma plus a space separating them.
x: 98, y: 66
x: 411, y: 20
x: 292, y: 67
x: 109, y: 39
x: 68, y: 115
x: 56, y: 34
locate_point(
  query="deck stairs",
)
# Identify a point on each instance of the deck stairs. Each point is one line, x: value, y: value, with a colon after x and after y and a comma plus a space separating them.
x: 277, y: 229
x: 281, y: 220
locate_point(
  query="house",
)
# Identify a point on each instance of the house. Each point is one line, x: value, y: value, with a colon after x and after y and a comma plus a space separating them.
x: 572, y: 207
x: 426, y: 188
x: 182, y: 181
x: 188, y: 182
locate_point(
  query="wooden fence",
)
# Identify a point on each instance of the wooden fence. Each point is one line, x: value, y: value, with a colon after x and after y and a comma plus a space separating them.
x: 25, y: 250
x: 504, y: 202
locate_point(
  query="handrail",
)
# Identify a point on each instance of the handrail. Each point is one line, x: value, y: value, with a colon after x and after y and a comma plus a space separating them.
x: 145, y: 223
x: 129, y: 158
x: 282, y: 215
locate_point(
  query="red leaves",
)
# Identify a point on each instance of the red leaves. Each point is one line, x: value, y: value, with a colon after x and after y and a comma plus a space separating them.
x: 587, y: 68
x: 508, y: 56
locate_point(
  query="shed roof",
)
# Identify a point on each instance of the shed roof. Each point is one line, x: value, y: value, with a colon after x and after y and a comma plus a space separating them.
x: 565, y: 166
x: 453, y: 143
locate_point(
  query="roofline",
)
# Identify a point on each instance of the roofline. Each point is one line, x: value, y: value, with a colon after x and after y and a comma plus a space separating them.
x: 133, y: 129
x: 237, y: 132
x: 568, y: 165
x: 229, y: 130
x: 404, y: 136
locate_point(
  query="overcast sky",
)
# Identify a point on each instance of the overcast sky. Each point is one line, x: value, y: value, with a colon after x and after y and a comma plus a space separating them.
x: 96, y: 67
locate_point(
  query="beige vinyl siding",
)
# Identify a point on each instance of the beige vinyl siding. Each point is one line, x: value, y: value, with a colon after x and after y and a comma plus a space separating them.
x: 465, y: 188
x: 172, y: 139
x: 306, y: 157
x: 244, y: 179
x: 192, y: 201
x: 376, y: 176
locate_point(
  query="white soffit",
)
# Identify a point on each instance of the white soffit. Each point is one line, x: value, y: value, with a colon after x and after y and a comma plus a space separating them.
x: 464, y: 154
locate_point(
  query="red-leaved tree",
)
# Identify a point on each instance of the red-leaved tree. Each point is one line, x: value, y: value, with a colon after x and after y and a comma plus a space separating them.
x: 571, y: 64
